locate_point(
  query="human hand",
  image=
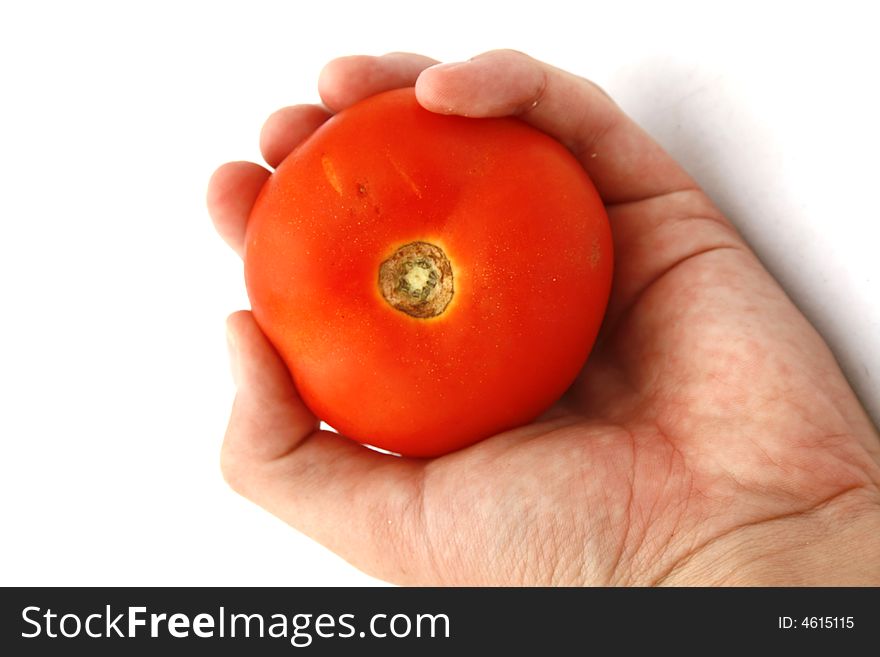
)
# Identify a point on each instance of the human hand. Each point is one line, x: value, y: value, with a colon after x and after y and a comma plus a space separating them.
x: 710, y: 439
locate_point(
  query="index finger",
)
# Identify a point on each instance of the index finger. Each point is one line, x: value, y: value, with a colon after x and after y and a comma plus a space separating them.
x: 234, y: 187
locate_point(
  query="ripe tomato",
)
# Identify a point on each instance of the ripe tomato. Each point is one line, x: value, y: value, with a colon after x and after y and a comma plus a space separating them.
x: 429, y: 280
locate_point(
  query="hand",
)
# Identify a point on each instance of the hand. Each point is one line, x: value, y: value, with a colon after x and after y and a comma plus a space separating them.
x: 710, y: 439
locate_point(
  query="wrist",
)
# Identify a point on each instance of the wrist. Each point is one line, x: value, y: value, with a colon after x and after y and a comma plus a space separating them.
x: 836, y: 544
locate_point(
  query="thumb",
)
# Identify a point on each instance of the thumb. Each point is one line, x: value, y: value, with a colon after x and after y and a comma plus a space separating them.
x: 659, y: 217
x: 623, y: 161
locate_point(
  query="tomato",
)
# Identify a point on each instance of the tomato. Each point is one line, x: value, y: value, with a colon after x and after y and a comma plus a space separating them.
x: 429, y: 280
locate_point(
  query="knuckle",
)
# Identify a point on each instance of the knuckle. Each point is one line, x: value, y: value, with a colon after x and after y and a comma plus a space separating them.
x: 235, y: 472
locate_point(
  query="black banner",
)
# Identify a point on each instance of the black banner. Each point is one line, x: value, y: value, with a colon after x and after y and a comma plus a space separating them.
x: 429, y: 621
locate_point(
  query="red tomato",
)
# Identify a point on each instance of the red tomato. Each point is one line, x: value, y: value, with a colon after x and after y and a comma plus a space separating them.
x: 429, y: 280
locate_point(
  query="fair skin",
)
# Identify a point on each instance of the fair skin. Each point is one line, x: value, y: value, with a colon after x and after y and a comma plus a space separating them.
x: 711, y: 439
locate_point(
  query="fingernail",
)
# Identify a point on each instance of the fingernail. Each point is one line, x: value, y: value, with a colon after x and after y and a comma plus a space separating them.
x: 232, y: 345
x: 445, y: 66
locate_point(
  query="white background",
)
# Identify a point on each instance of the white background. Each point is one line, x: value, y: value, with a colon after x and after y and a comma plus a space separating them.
x: 114, y: 385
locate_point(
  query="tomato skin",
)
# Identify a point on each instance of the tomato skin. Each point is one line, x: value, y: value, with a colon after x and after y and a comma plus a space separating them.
x: 527, y: 239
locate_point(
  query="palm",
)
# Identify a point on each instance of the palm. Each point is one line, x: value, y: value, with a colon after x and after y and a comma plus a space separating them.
x: 709, y: 409
x: 663, y: 445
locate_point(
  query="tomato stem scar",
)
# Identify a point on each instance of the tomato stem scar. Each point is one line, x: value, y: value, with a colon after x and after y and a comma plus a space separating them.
x: 417, y: 280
